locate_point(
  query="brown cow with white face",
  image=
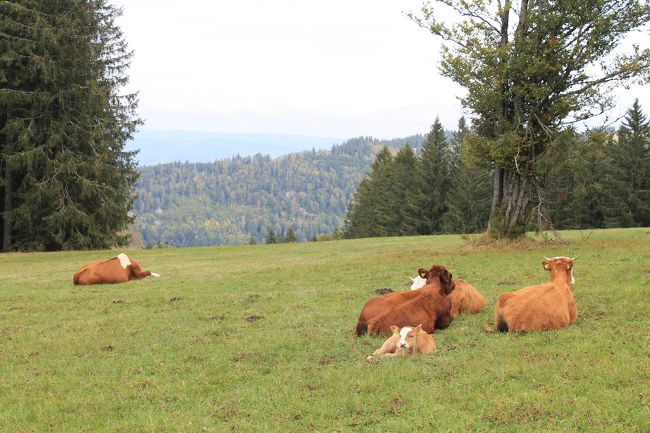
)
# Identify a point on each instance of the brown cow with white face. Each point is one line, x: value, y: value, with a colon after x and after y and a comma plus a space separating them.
x: 543, y: 306
x: 464, y: 299
x: 118, y: 269
x: 406, y: 341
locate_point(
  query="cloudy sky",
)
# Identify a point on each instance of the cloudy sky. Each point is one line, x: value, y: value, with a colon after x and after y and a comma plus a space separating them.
x: 340, y: 68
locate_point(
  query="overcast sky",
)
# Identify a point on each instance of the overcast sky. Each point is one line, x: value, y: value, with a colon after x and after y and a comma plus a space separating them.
x: 336, y: 68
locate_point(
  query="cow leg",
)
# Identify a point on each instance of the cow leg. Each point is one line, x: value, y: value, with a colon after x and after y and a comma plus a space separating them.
x: 389, y: 346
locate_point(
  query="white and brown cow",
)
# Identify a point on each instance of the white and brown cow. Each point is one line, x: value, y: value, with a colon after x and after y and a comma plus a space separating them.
x: 118, y: 269
x: 406, y: 341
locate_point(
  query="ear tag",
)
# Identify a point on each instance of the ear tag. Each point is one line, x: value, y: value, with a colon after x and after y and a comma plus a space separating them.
x: 396, y: 332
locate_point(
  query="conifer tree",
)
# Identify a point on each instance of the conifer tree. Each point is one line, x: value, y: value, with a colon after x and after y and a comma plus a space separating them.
x: 468, y: 200
x: 436, y: 173
x: 364, y: 217
x: 629, y: 182
x: 290, y: 237
x: 401, y: 205
x: 271, y: 237
x: 66, y: 180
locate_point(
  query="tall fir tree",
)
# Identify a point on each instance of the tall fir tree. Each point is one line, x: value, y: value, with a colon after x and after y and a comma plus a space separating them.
x: 364, y: 217
x: 436, y: 176
x: 629, y: 182
x: 404, y: 198
x: 573, y: 174
x: 468, y: 201
x: 67, y: 182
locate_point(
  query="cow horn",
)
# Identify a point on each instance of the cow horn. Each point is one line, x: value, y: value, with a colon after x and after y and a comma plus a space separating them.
x: 546, y: 258
x: 574, y: 258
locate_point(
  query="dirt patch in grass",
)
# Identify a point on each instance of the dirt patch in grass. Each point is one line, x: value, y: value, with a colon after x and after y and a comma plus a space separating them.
x: 327, y: 360
x: 243, y: 356
x: 218, y: 318
x: 383, y: 291
x: 175, y: 299
x: 10, y: 330
x: 252, y: 319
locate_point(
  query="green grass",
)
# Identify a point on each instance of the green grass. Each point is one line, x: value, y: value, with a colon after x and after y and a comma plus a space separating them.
x: 177, y: 354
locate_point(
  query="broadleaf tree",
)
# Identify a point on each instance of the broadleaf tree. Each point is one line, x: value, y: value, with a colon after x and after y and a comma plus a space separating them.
x: 532, y: 69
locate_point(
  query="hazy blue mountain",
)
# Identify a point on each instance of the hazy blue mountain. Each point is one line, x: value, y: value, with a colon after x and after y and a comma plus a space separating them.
x: 158, y: 146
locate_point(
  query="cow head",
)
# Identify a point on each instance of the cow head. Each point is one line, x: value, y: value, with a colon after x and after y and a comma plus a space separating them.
x: 438, y: 271
x: 562, y: 263
x: 417, y: 282
x: 408, y: 338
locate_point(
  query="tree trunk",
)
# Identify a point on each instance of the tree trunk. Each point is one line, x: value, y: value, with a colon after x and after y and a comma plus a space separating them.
x: 511, y: 204
x: 6, y: 207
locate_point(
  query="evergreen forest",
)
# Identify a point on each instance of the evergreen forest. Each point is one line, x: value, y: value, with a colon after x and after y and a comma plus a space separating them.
x: 595, y: 179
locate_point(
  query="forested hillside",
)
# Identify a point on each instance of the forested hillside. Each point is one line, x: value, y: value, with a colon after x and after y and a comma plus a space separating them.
x: 233, y: 200
x: 591, y: 179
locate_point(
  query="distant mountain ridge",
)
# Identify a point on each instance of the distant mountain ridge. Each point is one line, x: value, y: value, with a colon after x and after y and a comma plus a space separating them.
x: 242, y: 198
x: 160, y: 146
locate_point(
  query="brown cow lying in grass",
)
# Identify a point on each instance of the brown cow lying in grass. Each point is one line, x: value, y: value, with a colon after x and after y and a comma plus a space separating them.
x: 119, y: 269
x: 541, y: 307
x: 429, y: 306
x: 464, y: 299
x: 406, y: 341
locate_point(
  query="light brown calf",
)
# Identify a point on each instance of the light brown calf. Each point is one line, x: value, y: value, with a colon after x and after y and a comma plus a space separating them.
x: 406, y: 341
x: 541, y: 307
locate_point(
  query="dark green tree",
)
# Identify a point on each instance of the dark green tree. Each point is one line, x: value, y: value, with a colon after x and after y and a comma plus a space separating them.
x: 402, y: 205
x: 67, y: 182
x: 573, y: 173
x: 271, y: 237
x: 290, y: 237
x: 530, y: 69
x: 364, y: 216
x: 436, y: 176
x: 468, y: 200
x: 629, y: 182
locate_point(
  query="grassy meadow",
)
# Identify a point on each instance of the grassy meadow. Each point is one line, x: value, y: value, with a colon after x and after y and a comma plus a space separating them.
x: 260, y: 339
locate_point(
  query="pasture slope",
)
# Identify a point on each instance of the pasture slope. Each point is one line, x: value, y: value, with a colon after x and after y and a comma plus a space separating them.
x: 260, y: 339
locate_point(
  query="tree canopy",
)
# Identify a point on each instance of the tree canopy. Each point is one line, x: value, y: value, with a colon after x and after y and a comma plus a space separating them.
x: 531, y: 70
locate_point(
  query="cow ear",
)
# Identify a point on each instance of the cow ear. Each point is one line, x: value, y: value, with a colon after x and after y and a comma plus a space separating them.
x: 395, y: 330
x: 447, y: 280
x: 546, y: 264
x: 423, y: 273
x: 418, y: 329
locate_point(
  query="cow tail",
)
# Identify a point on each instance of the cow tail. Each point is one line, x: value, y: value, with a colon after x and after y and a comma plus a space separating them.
x: 502, y: 325
x: 362, y: 328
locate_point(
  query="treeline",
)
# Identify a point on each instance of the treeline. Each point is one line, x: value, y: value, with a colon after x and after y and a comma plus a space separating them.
x: 65, y: 180
x: 595, y: 179
x: 600, y: 179
x: 439, y: 191
x: 245, y: 199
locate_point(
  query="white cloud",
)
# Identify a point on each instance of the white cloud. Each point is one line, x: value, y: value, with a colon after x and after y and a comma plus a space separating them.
x: 340, y: 68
